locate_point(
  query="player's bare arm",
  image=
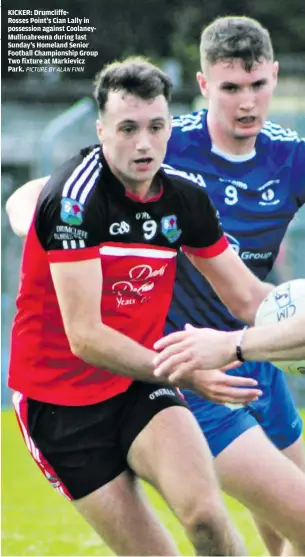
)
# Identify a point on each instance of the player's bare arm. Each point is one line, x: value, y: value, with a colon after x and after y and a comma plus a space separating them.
x: 20, y: 206
x: 280, y: 341
x: 181, y: 357
x: 196, y: 348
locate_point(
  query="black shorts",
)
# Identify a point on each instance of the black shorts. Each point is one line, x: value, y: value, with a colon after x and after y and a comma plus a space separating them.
x: 84, y: 447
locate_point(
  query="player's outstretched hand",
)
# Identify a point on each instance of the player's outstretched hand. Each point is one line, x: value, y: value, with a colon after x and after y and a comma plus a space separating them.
x: 189, y: 358
x: 203, y: 348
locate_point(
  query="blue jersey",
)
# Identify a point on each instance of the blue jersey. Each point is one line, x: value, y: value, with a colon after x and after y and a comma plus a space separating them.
x: 256, y: 197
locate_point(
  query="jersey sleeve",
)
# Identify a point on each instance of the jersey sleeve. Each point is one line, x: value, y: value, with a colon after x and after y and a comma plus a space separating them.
x: 70, y: 219
x: 298, y: 172
x: 205, y: 235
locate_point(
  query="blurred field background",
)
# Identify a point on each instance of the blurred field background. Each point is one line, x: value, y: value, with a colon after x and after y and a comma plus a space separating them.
x: 36, y: 520
x: 47, y: 118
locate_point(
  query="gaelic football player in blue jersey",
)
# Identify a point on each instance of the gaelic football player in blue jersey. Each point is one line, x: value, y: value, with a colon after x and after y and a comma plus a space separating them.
x: 254, y: 173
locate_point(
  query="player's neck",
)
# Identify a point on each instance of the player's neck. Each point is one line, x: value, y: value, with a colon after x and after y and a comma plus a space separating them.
x: 144, y: 191
x: 228, y: 144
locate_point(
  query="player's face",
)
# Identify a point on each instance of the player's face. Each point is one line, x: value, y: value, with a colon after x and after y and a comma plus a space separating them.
x: 238, y: 100
x: 134, y: 133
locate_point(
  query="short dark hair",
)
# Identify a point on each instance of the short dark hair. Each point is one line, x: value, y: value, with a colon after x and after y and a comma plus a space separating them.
x: 134, y: 75
x: 231, y: 37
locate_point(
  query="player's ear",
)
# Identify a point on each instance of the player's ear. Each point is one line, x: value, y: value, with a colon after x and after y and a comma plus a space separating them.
x: 202, y: 82
x: 99, y: 129
x: 170, y: 124
x: 275, y: 71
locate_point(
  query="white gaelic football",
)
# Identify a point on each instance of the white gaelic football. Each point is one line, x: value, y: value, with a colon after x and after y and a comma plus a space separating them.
x: 284, y: 301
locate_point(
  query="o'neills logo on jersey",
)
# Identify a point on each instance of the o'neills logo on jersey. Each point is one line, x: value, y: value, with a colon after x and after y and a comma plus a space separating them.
x: 162, y: 392
x: 137, y: 288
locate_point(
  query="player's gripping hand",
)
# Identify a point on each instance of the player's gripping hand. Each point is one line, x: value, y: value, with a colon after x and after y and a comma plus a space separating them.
x: 188, y: 359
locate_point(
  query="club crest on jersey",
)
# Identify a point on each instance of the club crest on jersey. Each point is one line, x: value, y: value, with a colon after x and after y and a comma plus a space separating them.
x: 169, y: 228
x: 71, y: 211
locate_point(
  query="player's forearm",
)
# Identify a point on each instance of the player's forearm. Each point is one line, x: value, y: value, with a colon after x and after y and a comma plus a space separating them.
x: 282, y: 341
x: 109, y: 349
x: 246, y: 311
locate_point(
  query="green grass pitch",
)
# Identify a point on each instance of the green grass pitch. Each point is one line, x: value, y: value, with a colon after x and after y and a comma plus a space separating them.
x: 36, y: 520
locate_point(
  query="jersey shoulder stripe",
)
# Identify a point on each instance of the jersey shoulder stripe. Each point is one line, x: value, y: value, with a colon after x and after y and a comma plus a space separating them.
x: 83, y: 178
x: 276, y: 133
x: 174, y: 172
x: 187, y: 122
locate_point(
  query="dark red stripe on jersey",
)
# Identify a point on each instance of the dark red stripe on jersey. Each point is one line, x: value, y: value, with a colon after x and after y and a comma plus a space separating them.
x: 210, y: 251
x: 62, y: 256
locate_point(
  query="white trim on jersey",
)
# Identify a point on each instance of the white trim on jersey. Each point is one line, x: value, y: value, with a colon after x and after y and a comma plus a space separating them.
x: 276, y: 127
x: 17, y: 398
x: 171, y: 171
x: 187, y: 118
x: 189, y: 127
x: 79, y: 176
x: 281, y: 137
x: 188, y: 122
x: 82, y: 178
x: 138, y: 252
x: 73, y: 244
x: 88, y: 187
x: 277, y: 133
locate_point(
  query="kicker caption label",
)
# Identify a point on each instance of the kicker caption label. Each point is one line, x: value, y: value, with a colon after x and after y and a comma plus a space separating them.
x: 48, y: 41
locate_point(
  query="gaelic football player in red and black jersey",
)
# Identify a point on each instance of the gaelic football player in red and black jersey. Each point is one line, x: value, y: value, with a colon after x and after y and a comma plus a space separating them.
x: 96, y: 283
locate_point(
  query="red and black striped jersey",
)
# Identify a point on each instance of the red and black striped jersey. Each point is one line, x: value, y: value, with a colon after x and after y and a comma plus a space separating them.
x: 84, y: 212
